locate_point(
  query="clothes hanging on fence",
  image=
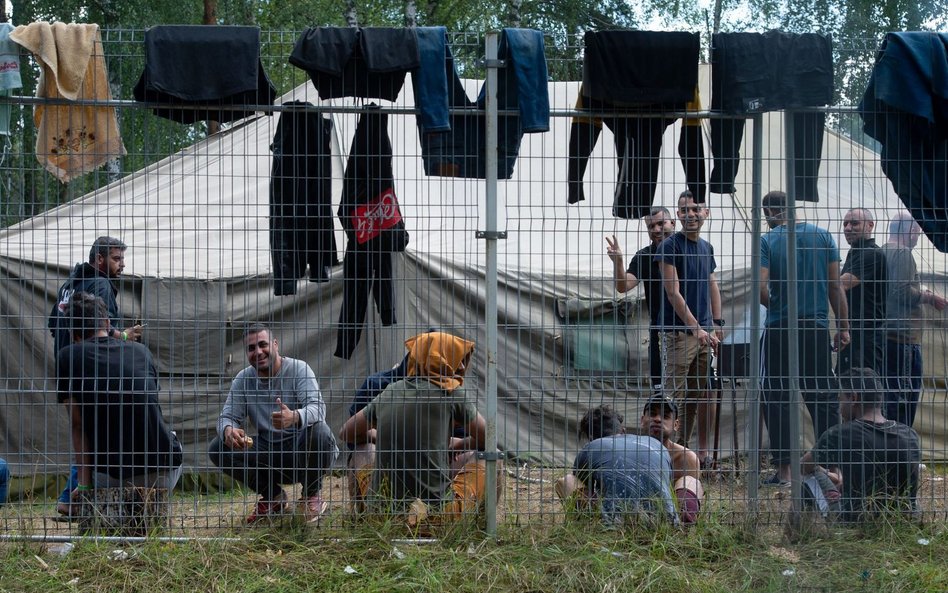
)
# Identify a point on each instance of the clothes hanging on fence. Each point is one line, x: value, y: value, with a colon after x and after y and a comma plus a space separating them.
x: 369, y: 62
x: 759, y: 72
x: 228, y: 73
x: 301, y: 218
x: 905, y: 108
x: 9, y: 74
x: 453, y: 145
x: 662, y: 77
x: 374, y: 227
x: 71, y: 139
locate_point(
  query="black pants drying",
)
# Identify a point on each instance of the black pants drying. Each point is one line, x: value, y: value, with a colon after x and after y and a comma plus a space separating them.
x: 301, y: 227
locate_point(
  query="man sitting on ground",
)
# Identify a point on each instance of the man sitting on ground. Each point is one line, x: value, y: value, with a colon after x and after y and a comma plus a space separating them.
x: 413, y: 420
x: 874, y: 460
x: 110, y: 387
x: 660, y: 421
x: 280, y: 396
x: 626, y: 475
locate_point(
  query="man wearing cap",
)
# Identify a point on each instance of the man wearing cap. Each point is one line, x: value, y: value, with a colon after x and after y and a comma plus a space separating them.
x: 625, y: 475
x: 94, y: 277
x: 416, y: 456
x: 660, y: 421
x: 818, y: 289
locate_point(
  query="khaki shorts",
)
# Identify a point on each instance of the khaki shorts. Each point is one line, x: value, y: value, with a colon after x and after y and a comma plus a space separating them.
x: 686, y: 366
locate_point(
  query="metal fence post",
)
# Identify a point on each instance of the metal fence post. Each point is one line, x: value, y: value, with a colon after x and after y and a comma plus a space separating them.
x: 490, y: 314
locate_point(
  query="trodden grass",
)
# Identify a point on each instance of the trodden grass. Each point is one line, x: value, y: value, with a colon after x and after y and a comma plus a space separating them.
x: 576, y: 556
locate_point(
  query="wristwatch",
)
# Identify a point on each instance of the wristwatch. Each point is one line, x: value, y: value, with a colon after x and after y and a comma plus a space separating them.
x: 718, y: 322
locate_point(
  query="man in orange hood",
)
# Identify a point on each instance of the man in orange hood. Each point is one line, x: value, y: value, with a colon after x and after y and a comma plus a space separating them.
x: 413, y: 419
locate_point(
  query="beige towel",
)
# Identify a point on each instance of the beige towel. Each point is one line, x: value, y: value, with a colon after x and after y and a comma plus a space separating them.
x: 71, y: 139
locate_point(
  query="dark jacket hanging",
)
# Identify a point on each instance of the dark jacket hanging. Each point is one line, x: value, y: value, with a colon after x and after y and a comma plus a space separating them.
x: 301, y: 217
x: 759, y: 72
x: 662, y: 77
x: 203, y: 66
x: 372, y: 219
x: 905, y: 108
x: 369, y: 63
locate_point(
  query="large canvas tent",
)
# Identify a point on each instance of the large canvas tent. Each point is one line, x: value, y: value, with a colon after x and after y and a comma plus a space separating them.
x: 198, y: 270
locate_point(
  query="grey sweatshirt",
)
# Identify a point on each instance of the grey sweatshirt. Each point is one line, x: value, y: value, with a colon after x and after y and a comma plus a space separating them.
x: 254, y: 398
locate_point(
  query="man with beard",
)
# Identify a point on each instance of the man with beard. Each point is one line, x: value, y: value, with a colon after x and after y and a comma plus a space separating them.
x: 660, y: 421
x: 643, y: 268
x: 281, y: 397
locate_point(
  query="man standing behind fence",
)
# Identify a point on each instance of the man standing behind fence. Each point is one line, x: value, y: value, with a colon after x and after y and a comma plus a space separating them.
x: 690, y: 321
x: 643, y: 268
x: 280, y: 396
x: 110, y: 387
x: 817, y: 288
x: 95, y: 277
x: 864, y: 278
x: 903, y: 350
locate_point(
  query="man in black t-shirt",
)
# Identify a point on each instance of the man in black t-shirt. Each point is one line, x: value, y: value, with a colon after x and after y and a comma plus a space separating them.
x: 864, y: 278
x: 643, y: 268
x: 110, y: 387
x: 872, y: 460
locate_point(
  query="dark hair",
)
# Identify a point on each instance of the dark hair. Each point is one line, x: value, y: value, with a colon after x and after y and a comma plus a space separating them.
x: 600, y: 422
x: 775, y: 200
x: 255, y: 328
x: 103, y: 245
x: 865, y: 383
x: 85, y: 315
x: 659, y: 210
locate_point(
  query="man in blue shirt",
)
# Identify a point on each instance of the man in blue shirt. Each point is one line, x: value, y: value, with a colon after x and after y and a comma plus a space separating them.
x: 818, y: 288
x: 625, y: 475
x: 690, y: 320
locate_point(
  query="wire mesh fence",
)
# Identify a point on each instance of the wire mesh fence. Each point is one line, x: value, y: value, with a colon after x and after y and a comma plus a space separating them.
x: 489, y: 270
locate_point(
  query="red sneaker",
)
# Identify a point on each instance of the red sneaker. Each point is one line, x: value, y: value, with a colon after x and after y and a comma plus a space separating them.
x: 268, y: 509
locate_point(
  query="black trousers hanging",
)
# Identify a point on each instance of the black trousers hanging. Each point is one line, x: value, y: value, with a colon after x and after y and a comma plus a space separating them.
x: 364, y: 272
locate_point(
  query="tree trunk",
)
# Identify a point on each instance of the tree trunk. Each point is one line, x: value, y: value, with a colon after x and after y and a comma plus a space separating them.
x: 717, y: 16
x: 514, y: 17
x: 210, y: 18
x: 352, y: 18
x: 411, y: 13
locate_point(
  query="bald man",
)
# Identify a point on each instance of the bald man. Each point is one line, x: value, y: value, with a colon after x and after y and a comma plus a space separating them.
x: 864, y: 279
x: 903, y: 350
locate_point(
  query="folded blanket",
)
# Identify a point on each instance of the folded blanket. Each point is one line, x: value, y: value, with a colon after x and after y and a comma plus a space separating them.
x: 71, y: 139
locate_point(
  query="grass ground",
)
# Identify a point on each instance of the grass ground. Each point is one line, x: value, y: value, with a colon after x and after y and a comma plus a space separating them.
x: 573, y: 556
x: 538, y: 548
